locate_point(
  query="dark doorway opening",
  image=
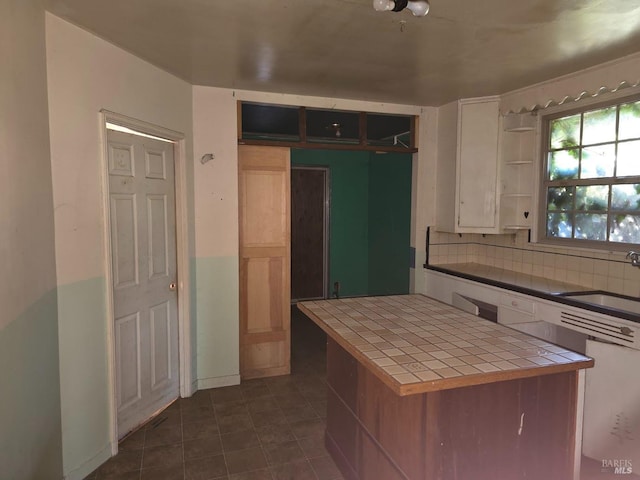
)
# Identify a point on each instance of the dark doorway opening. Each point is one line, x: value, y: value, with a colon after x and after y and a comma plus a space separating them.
x: 309, y: 225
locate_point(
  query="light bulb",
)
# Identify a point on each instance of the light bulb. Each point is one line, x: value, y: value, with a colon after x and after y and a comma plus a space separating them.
x: 383, y: 5
x: 419, y: 8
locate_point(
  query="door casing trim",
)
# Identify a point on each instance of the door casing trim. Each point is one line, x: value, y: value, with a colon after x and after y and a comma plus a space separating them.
x: 182, y: 257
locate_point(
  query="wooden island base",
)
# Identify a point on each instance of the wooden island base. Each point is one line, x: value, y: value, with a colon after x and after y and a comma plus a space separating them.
x: 506, y: 430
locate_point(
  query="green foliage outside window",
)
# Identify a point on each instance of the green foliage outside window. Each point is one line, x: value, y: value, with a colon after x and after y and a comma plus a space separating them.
x: 592, y: 177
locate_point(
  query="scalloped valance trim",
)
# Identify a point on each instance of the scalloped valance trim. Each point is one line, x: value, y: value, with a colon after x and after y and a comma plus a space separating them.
x: 575, y: 98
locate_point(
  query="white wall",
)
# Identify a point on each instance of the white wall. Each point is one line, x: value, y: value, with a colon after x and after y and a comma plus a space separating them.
x: 85, y: 75
x: 27, y: 230
x: 30, y: 441
x: 423, y: 191
x: 216, y: 237
x: 609, y: 75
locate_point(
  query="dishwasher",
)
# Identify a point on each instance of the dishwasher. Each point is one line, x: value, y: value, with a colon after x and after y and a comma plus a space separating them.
x: 611, y: 428
x: 611, y: 415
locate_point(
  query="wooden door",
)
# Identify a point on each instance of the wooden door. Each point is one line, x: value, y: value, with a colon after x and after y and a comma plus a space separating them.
x: 143, y: 252
x: 265, y: 285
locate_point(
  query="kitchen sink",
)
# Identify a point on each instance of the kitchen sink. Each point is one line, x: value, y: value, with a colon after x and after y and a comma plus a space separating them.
x: 607, y: 300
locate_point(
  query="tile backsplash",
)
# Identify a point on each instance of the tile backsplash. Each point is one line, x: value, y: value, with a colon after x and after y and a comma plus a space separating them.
x: 600, y: 270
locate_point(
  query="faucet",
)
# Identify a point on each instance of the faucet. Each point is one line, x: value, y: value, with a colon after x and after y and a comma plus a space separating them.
x: 635, y: 258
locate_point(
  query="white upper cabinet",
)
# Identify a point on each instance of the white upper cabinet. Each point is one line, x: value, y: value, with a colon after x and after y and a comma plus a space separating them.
x: 467, y: 166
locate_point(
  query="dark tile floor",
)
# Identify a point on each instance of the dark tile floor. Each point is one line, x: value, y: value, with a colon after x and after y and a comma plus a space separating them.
x: 262, y: 429
x: 268, y: 429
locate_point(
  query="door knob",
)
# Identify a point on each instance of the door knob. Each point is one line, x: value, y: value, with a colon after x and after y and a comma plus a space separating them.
x: 173, y: 286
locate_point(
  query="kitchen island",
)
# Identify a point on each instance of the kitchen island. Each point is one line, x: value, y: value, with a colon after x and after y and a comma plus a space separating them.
x: 418, y: 389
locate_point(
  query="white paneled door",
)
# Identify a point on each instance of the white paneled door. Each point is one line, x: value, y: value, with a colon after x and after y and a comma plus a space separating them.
x: 143, y: 252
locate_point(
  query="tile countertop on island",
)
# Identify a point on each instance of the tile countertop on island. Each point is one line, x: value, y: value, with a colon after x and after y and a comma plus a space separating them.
x: 416, y: 344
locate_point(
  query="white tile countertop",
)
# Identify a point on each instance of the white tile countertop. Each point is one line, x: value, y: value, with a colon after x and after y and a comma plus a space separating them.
x: 416, y: 344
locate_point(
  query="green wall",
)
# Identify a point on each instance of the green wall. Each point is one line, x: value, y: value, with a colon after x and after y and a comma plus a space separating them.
x: 84, y: 384
x: 217, y: 313
x: 349, y: 182
x: 389, y: 223
x: 30, y: 438
x: 361, y: 201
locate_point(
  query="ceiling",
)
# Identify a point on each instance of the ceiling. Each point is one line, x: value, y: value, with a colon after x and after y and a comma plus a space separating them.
x: 345, y: 49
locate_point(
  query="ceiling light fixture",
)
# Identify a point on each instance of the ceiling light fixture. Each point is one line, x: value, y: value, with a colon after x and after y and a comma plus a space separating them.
x: 419, y: 8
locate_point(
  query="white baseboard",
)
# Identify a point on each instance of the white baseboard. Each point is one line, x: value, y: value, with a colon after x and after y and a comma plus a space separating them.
x: 215, y: 382
x: 194, y: 387
x: 81, y: 472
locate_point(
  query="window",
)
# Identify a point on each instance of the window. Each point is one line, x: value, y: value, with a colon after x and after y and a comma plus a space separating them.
x: 301, y: 127
x: 270, y: 122
x: 591, y: 186
x: 389, y: 130
x: 332, y: 126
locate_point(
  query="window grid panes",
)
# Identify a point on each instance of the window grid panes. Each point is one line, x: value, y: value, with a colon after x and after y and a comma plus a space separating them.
x: 592, y: 175
x: 313, y: 128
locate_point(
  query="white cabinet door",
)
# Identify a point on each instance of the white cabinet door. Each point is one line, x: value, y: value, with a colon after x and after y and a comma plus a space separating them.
x: 439, y: 286
x: 515, y: 309
x: 467, y: 166
x: 477, y: 163
x: 612, y: 405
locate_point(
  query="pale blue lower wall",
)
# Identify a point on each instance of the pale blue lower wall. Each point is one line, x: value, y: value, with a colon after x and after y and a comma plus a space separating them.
x: 30, y: 438
x: 193, y: 313
x: 84, y: 376
x: 84, y: 373
x: 217, y: 313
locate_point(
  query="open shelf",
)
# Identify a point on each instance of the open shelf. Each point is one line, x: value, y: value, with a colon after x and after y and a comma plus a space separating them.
x: 519, y: 162
x: 515, y: 211
x: 517, y: 171
x: 516, y: 195
x: 519, y: 122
